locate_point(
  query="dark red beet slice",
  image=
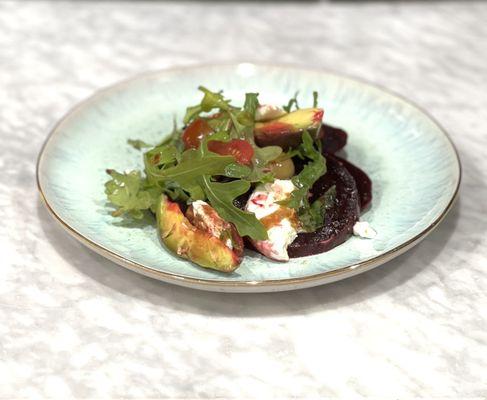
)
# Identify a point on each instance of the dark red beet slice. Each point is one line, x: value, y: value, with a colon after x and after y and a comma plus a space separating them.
x: 363, y: 182
x: 339, y: 220
x: 353, y: 189
x: 332, y: 139
x: 354, y: 194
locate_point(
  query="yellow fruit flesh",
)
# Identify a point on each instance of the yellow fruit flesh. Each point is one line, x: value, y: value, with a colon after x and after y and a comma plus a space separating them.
x: 184, y: 239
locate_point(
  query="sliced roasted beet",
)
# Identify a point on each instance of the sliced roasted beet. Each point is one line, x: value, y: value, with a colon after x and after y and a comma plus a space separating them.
x: 333, y: 139
x: 339, y: 220
x: 353, y: 195
x: 363, y: 182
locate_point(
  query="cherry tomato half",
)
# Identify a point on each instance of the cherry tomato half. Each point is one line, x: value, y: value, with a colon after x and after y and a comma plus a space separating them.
x: 240, y: 149
x: 194, y: 133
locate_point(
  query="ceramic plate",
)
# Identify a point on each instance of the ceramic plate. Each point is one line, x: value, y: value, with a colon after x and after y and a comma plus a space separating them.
x: 413, y: 165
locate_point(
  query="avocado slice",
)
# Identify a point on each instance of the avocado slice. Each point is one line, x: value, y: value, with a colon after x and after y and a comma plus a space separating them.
x: 187, y: 241
x: 286, y: 131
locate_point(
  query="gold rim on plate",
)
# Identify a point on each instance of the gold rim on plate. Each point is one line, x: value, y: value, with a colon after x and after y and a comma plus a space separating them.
x: 212, y: 284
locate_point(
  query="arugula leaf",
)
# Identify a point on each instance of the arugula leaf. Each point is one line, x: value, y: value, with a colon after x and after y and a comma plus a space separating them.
x: 182, y: 178
x: 291, y: 153
x: 128, y: 192
x: 311, y: 172
x: 221, y: 124
x: 221, y: 196
x: 315, y: 99
x: 220, y: 135
x: 138, y: 144
x: 175, y: 193
x: 247, y: 115
x: 212, y: 100
x: 174, y: 138
x: 195, y: 191
x: 215, y: 100
x: 251, y: 104
x: 162, y: 155
x: 292, y: 102
x: 313, y: 218
x: 187, y: 175
x: 191, y: 113
x: 236, y: 170
x: 264, y: 155
x: 193, y: 164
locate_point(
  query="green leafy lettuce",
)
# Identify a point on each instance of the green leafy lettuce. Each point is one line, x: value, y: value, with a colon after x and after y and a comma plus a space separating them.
x: 311, y: 172
x: 130, y: 193
x: 193, y: 174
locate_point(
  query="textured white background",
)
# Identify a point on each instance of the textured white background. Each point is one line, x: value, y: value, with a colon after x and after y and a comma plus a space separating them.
x: 75, y: 325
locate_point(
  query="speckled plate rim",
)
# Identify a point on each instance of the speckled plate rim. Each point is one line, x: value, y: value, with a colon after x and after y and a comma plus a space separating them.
x: 242, y: 286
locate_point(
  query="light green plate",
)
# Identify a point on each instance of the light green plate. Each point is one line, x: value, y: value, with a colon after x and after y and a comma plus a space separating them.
x: 413, y: 165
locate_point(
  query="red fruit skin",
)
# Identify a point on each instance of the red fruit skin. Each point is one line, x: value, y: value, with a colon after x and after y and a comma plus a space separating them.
x: 195, y: 132
x: 287, y: 131
x: 318, y: 116
x: 238, y: 148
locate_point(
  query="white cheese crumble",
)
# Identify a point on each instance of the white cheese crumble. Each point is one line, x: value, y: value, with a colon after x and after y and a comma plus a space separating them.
x: 267, y: 112
x: 198, y: 206
x: 280, y: 237
x: 213, y: 226
x: 364, y: 230
x: 262, y: 203
x: 263, y: 200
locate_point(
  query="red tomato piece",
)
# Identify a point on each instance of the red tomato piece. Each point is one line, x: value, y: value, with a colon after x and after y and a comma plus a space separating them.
x: 195, y: 132
x: 240, y: 149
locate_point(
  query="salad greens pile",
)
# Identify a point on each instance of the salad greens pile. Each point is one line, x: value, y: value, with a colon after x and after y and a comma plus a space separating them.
x: 199, y: 174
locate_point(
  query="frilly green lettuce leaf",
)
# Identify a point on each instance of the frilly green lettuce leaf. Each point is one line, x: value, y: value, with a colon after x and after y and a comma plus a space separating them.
x: 130, y: 194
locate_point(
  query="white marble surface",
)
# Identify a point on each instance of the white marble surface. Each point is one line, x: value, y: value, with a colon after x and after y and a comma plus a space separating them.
x: 74, y: 325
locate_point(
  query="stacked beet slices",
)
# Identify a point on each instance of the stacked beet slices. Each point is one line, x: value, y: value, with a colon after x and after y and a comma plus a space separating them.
x: 353, y: 196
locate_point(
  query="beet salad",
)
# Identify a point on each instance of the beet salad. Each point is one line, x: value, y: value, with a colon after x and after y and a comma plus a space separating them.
x: 261, y: 176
